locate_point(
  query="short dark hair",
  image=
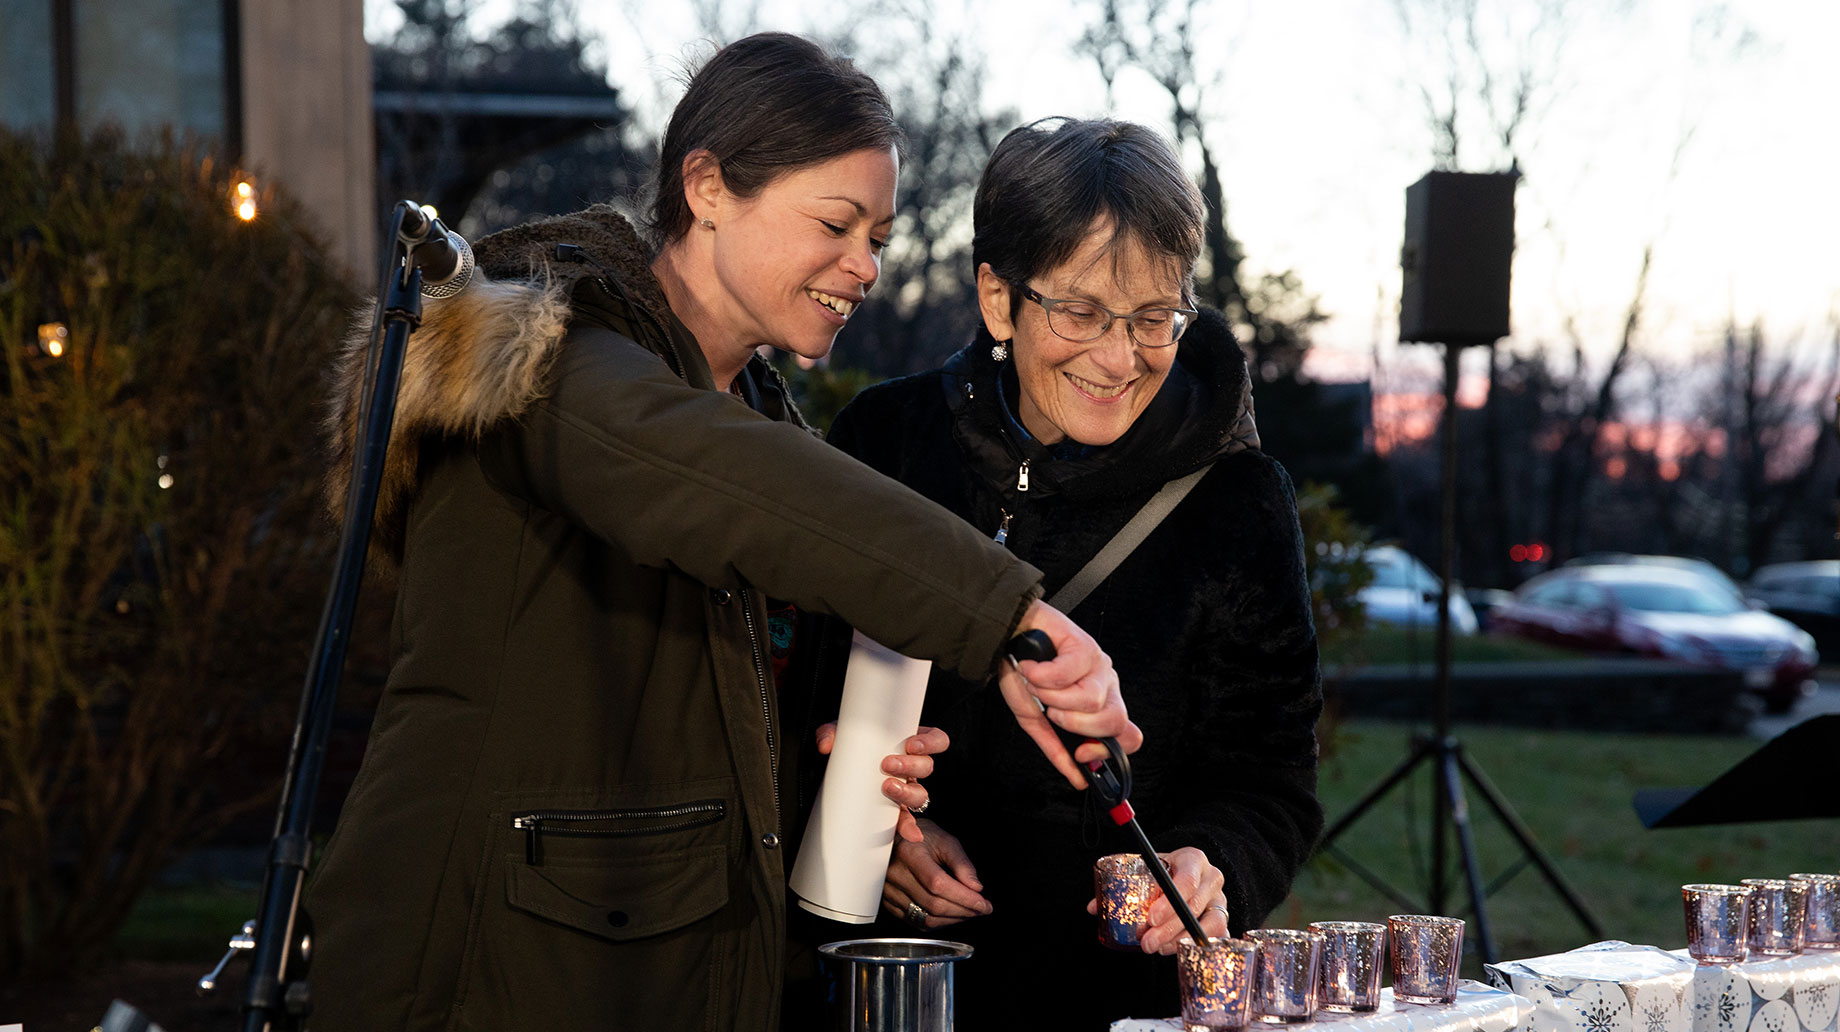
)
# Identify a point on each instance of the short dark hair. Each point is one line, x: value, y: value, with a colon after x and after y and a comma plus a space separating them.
x: 764, y: 106
x: 1049, y: 181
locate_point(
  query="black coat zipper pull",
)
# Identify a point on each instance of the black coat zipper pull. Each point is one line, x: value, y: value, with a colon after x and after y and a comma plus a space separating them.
x: 1003, y: 528
x: 1022, y: 476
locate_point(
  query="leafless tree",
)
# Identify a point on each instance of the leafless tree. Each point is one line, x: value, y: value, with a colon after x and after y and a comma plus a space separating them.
x: 1781, y: 444
x: 1157, y: 38
x: 1172, y: 44
x: 927, y: 304
x: 1492, y: 74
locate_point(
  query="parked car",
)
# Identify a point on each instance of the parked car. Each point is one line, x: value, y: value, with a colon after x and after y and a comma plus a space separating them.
x: 1652, y: 610
x: 1691, y: 564
x: 1404, y: 593
x: 1484, y: 601
x: 1806, y: 594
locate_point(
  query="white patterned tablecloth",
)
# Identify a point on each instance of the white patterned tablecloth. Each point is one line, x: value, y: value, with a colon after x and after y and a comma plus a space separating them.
x: 1478, y: 1008
x: 1617, y: 987
x: 1783, y: 994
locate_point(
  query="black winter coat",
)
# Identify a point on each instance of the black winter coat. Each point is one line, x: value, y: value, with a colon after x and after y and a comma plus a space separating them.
x: 1209, y: 624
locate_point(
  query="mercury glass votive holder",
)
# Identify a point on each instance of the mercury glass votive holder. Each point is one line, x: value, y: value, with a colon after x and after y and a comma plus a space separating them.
x: 1822, y: 928
x: 1426, y: 952
x: 1718, y: 922
x: 1284, y: 984
x: 1215, y: 981
x: 1779, y: 915
x: 1124, y: 888
x: 1353, y: 953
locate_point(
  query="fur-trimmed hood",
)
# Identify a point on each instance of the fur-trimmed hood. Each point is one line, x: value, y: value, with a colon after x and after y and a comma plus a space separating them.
x: 481, y: 357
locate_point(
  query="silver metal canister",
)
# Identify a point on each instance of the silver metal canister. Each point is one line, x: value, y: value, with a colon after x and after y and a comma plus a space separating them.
x: 893, y: 985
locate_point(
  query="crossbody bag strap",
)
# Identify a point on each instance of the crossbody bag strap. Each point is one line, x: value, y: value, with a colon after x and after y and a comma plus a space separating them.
x: 1127, y: 539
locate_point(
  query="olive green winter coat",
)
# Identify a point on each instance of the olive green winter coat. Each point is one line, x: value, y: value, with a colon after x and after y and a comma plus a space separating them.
x: 573, y: 806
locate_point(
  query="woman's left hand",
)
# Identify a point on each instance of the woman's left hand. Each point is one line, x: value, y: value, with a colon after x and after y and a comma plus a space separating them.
x: 914, y: 762
x: 1200, y: 883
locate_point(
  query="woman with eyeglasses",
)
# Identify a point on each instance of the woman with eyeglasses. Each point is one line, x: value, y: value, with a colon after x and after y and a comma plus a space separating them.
x: 1094, y: 384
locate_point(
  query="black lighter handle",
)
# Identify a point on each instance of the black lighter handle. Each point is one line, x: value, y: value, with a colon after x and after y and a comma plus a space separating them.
x: 1034, y: 646
x: 1110, y: 778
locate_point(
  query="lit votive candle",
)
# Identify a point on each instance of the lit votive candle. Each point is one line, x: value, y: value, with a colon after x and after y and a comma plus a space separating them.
x: 1215, y: 982
x: 1353, y: 954
x: 1284, y: 986
x: 1124, y: 888
x: 1822, y: 931
x: 1779, y: 914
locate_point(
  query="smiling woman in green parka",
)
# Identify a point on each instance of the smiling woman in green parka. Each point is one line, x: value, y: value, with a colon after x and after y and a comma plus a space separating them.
x: 612, y: 526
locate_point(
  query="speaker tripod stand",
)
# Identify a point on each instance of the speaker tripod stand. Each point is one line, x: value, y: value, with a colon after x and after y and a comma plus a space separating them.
x: 1450, y: 764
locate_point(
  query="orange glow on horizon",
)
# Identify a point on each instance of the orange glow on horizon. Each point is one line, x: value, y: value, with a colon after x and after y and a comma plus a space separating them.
x: 1411, y: 419
x: 1405, y: 419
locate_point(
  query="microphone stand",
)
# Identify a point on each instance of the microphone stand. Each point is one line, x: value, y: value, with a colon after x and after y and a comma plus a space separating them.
x: 277, y: 996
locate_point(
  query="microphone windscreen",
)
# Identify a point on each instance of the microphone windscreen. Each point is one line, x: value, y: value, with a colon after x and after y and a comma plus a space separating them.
x: 454, y: 283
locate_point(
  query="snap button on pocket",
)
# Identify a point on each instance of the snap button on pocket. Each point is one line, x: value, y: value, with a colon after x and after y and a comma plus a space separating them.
x: 770, y: 840
x: 618, y: 918
x: 721, y: 596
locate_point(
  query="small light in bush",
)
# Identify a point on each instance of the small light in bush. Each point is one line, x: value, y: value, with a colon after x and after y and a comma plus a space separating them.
x: 166, y: 481
x: 52, y: 338
x: 243, y: 200
x: 121, y: 605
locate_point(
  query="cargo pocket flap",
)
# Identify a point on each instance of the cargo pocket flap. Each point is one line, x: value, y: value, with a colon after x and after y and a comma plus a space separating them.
x: 624, y: 900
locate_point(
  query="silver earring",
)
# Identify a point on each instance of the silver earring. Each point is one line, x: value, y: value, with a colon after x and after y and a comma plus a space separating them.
x: 1000, y: 350
x: 706, y: 223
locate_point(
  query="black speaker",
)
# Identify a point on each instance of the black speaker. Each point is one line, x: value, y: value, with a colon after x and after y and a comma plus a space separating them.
x: 1458, y: 250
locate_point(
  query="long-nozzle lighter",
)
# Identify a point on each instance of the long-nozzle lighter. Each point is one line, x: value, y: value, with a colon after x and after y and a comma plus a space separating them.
x: 1110, y: 780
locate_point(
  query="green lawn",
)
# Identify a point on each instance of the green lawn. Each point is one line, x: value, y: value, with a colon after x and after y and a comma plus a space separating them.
x: 193, y: 923
x: 1573, y: 790
x: 1377, y: 645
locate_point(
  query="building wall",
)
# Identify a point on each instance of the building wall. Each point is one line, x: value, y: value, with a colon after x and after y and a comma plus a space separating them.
x: 306, y: 101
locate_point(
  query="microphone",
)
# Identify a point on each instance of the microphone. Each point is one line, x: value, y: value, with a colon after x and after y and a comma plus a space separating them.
x: 443, y: 255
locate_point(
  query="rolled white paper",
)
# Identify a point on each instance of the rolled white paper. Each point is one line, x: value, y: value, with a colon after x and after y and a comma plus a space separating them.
x: 843, y: 858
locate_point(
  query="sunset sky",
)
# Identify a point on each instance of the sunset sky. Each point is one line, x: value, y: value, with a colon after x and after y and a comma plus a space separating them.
x: 1314, y: 109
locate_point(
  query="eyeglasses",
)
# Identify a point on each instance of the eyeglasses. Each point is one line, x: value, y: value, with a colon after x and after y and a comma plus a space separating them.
x: 1082, y: 321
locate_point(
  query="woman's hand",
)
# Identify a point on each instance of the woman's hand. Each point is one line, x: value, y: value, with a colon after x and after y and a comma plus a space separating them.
x: 1078, y: 687
x: 1200, y: 883
x: 935, y: 875
x: 914, y: 762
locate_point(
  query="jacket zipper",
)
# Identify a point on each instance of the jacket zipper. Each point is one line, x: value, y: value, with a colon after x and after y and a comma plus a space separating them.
x: 1002, y: 537
x: 766, y: 706
x: 1022, y: 476
x: 678, y: 818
